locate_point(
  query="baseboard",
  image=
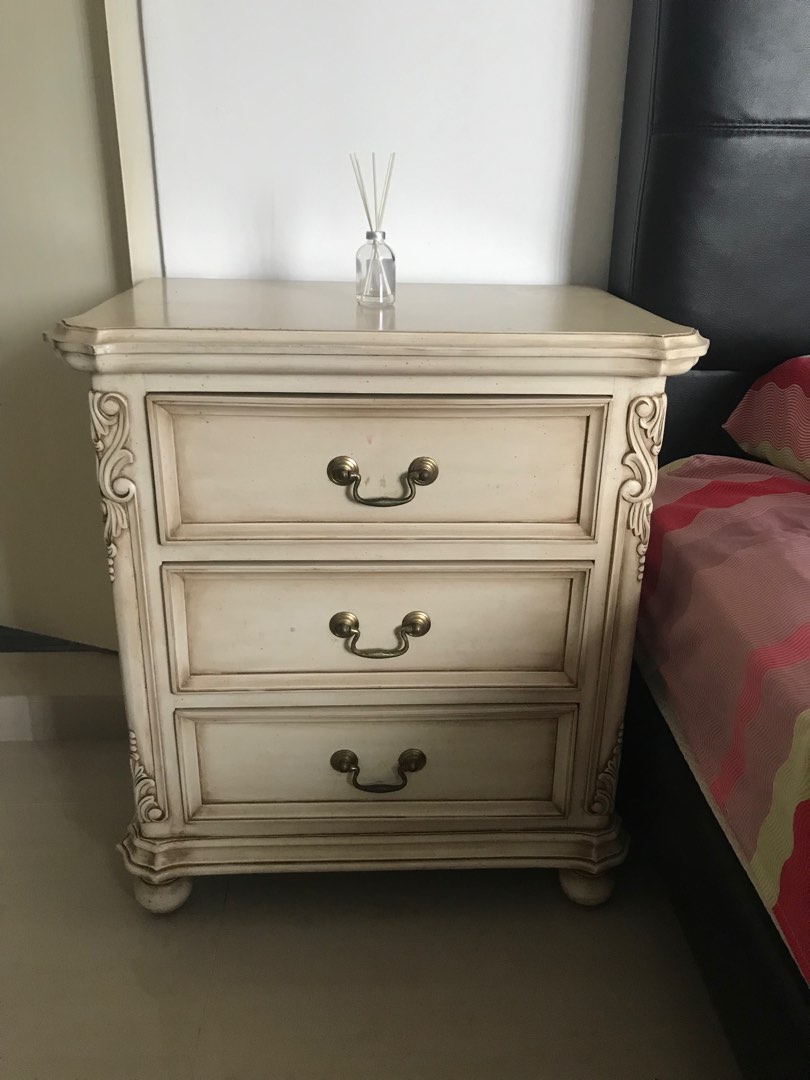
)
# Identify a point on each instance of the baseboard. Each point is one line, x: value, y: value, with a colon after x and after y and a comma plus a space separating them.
x: 60, y: 695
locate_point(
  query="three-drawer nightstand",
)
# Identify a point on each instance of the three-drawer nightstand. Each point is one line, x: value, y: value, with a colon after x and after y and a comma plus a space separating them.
x: 375, y: 575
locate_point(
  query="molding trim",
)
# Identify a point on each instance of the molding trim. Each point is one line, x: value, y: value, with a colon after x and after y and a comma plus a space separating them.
x: 605, y: 791
x: 160, y: 860
x: 109, y: 418
x: 147, y: 806
x: 645, y: 431
x: 110, y: 426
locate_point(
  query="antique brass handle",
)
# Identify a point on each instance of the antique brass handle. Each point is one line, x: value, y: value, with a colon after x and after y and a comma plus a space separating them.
x: 410, y: 761
x: 345, y: 472
x: 345, y: 624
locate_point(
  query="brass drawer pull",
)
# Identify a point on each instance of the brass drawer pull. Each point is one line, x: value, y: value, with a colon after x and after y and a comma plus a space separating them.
x: 345, y: 472
x: 345, y: 624
x: 410, y: 761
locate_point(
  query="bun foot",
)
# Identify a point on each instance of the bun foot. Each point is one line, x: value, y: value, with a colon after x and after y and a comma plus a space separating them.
x: 165, y: 898
x: 587, y: 889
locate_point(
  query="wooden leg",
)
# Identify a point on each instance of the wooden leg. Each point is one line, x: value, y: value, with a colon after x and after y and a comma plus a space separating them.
x: 165, y: 898
x: 587, y: 889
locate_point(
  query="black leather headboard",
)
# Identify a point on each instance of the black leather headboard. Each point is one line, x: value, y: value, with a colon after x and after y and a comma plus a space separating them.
x: 712, y: 222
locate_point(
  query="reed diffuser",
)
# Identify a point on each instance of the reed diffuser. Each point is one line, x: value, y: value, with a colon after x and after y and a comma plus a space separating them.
x: 376, y: 273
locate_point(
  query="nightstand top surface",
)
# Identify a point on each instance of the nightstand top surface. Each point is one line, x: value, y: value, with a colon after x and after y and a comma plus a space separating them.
x: 183, y: 316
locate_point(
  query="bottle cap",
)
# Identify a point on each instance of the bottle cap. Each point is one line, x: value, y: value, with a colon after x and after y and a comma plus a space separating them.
x: 375, y: 236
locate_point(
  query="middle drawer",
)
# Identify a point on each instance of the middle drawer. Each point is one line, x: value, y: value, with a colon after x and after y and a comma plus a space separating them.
x: 265, y: 626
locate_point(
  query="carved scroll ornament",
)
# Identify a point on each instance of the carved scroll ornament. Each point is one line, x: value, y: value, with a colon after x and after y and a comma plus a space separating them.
x: 604, y: 794
x: 109, y: 420
x: 645, y: 430
x: 147, y: 806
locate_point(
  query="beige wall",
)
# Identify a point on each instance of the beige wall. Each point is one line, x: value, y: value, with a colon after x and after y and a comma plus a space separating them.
x: 62, y: 249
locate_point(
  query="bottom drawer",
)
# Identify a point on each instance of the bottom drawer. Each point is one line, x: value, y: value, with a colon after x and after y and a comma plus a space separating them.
x: 277, y: 763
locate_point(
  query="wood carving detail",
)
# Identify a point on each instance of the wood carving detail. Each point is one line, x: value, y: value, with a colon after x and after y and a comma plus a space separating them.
x: 605, y: 791
x: 147, y: 806
x: 645, y: 431
x: 109, y: 418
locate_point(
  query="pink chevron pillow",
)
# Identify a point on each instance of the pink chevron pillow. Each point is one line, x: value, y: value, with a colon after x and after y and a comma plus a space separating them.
x: 772, y: 422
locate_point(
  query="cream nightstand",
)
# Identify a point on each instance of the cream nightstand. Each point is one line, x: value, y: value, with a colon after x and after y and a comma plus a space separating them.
x: 375, y: 588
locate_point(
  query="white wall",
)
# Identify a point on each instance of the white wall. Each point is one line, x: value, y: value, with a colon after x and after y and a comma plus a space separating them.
x: 505, y: 118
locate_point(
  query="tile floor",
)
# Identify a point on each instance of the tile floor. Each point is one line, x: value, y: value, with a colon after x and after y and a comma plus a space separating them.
x: 434, y: 976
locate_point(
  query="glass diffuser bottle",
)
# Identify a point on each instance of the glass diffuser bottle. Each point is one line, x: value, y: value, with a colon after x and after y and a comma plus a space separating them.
x: 375, y: 270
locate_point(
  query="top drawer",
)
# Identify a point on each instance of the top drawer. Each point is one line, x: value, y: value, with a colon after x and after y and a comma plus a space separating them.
x: 255, y: 468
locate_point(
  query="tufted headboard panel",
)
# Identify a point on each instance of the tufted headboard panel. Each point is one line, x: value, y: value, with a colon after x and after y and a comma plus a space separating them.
x: 712, y: 223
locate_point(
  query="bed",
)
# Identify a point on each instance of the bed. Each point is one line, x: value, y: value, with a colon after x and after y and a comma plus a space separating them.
x: 724, y: 645
x: 712, y: 228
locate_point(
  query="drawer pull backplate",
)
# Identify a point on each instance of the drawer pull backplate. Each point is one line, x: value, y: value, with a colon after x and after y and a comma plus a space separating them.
x: 410, y: 761
x: 345, y: 624
x: 345, y: 472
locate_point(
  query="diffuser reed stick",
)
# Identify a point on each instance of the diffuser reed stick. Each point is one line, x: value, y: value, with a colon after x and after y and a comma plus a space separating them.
x: 375, y: 223
x: 361, y: 187
x: 386, y: 186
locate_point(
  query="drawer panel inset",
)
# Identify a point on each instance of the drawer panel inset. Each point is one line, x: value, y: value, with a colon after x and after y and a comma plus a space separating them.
x: 497, y: 759
x: 263, y: 626
x: 255, y: 468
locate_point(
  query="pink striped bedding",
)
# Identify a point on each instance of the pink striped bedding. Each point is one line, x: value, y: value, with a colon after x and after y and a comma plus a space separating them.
x: 724, y: 641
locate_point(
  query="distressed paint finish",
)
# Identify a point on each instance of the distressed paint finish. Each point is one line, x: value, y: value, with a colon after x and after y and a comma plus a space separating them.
x: 221, y: 404
x: 109, y: 422
x: 645, y: 433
